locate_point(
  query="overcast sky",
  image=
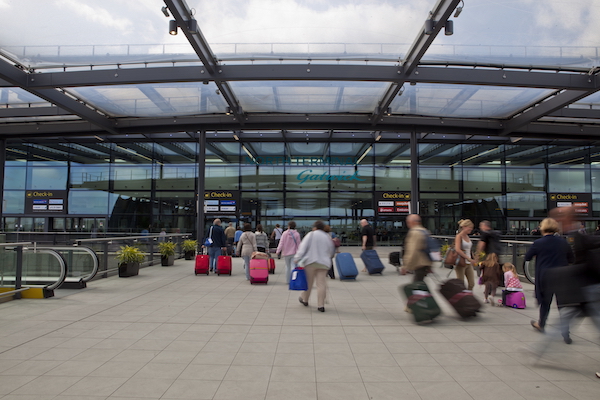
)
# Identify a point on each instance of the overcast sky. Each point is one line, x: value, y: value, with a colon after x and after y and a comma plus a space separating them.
x: 483, y: 22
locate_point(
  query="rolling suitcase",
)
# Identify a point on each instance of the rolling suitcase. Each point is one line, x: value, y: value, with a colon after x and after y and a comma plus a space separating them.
x: 259, y: 271
x: 271, y: 262
x: 372, y: 262
x: 513, y: 298
x: 420, y: 301
x: 224, y: 265
x: 346, y: 266
x: 463, y: 301
x: 202, y: 263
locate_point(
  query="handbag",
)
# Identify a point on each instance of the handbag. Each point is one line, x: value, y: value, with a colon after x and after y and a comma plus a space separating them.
x: 453, y: 259
x: 337, y: 242
x: 208, y: 241
x: 298, y: 279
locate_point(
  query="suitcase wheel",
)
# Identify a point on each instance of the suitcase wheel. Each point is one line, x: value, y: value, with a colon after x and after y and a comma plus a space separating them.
x: 207, y: 272
x: 195, y: 273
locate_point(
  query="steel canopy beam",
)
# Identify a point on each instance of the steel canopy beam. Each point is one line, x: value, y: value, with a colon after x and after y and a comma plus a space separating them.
x: 20, y: 78
x: 439, y: 14
x: 298, y: 72
x: 181, y: 12
x: 560, y: 100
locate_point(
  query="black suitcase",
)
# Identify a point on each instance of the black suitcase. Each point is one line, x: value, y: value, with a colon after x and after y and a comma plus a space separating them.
x: 372, y: 262
x: 463, y: 301
x: 395, y: 258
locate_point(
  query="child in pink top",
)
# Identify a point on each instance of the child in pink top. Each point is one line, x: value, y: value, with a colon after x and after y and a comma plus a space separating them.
x: 511, y: 279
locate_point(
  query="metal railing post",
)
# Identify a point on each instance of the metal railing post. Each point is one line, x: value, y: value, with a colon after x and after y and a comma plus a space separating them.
x: 18, y: 272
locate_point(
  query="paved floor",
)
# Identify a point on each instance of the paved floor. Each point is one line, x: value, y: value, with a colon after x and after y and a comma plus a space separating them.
x: 167, y: 334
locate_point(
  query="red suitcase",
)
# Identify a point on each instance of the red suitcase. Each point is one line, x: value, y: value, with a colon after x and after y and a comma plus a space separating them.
x: 202, y: 262
x: 224, y: 265
x: 271, y: 265
x: 259, y: 271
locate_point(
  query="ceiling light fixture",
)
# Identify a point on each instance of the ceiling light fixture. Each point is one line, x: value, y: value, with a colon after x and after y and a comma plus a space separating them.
x: 173, y: 27
x: 165, y: 10
x: 364, y: 155
x: 449, y: 28
x: 429, y: 26
x: 193, y: 26
x: 228, y: 111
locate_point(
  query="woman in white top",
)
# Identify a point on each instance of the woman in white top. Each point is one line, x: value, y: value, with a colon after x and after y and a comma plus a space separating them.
x: 262, y: 241
x: 315, y: 252
x: 463, y: 246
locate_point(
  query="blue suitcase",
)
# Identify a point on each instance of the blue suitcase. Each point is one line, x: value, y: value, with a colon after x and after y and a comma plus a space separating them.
x: 346, y: 266
x: 372, y: 262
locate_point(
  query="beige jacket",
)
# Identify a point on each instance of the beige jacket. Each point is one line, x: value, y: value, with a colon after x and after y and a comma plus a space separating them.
x: 246, y: 244
x: 415, y: 245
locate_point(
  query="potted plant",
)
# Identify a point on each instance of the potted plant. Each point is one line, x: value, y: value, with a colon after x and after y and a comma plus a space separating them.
x: 189, y: 246
x: 167, y: 253
x: 129, y: 258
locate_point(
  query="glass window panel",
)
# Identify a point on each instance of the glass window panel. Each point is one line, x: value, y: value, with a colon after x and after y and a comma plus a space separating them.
x: 179, y: 176
x: 390, y: 178
x: 47, y: 178
x: 135, y: 202
x: 439, y: 153
x: 349, y: 207
x: 128, y: 177
x: 154, y: 100
x: 395, y: 154
x: 567, y: 156
x: 439, y: 179
x: 554, y: 36
x: 14, y: 202
x: 306, y: 203
x: 18, y: 97
x: 269, y: 203
x: 89, y: 177
x: 262, y: 177
x: 14, y: 177
x: 526, y: 205
x: 311, y: 29
x: 568, y: 180
x: 309, y: 96
x: 530, y: 156
x: 525, y: 179
x: 478, y: 206
x: 446, y: 205
x: 465, y: 101
x: 308, y: 177
x: 99, y: 32
x: 482, y: 179
x: 88, y: 202
x: 173, y: 203
x: 351, y: 178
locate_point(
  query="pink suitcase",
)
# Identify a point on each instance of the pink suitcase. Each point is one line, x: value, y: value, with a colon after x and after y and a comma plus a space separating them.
x: 513, y: 299
x: 259, y: 271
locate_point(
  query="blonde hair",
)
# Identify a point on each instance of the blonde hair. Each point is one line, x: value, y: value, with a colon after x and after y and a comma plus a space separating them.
x: 464, y: 223
x: 509, y: 267
x: 490, y: 261
x: 549, y: 225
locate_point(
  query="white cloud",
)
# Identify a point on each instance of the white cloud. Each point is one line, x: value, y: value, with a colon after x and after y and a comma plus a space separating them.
x: 95, y: 15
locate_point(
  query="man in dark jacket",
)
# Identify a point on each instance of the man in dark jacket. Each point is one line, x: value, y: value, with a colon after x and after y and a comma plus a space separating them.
x: 218, y: 245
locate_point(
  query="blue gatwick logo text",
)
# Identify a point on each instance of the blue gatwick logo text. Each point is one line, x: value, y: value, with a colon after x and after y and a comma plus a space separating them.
x: 307, y: 175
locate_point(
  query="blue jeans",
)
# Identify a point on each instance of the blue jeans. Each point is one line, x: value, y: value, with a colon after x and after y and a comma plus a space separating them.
x: 213, y: 252
x: 247, y: 266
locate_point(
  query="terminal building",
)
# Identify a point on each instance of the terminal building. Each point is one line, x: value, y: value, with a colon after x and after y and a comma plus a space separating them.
x: 124, y: 116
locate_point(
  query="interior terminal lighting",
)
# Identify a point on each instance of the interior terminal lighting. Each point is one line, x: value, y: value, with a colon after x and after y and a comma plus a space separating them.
x: 236, y: 138
x: 173, y: 27
x: 449, y: 28
x: 193, y: 26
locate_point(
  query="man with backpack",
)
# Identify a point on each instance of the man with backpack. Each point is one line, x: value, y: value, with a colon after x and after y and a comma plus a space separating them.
x: 416, y: 249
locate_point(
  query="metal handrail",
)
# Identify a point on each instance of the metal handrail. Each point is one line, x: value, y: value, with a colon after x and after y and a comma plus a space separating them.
x: 96, y: 262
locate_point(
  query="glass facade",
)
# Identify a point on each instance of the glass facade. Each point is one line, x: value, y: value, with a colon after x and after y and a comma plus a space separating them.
x: 132, y: 186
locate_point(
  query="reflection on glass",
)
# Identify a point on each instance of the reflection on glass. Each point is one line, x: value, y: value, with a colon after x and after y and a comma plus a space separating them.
x: 46, y: 178
x: 526, y: 205
x: 88, y: 202
x: 485, y: 179
x: 89, y: 177
x: 525, y: 180
x: 438, y: 179
x: 14, y: 177
x: 568, y: 180
x: 305, y: 204
x: 390, y: 178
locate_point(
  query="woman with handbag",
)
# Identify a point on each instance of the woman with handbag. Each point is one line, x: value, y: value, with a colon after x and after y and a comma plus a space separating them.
x: 463, y: 246
x: 314, y: 254
x: 246, y: 246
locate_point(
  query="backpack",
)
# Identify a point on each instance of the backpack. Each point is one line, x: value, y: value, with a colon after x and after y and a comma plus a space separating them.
x: 432, y: 248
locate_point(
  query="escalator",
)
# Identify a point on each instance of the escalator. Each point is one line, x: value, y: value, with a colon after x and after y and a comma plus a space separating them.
x: 28, y: 271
